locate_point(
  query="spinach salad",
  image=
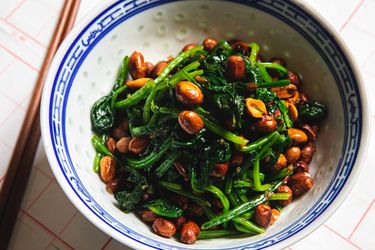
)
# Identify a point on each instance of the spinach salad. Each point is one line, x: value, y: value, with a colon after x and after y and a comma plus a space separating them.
x: 211, y: 143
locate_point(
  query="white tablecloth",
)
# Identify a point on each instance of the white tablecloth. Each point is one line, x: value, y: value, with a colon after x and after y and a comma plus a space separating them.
x: 48, y: 220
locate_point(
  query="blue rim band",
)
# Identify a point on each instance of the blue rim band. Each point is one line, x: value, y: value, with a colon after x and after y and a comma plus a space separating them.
x: 286, y: 11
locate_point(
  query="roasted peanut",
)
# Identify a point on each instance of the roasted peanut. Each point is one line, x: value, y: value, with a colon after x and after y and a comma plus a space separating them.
x: 158, y: 68
x: 294, y: 78
x: 194, y: 210
x: 235, y: 68
x: 180, y: 201
x: 292, y: 111
x: 237, y: 158
x: 190, y: 122
x: 164, y: 227
x: 138, y: 144
x: 301, y: 166
x: 112, y: 186
x: 118, y: 133
x: 303, y: 97
x: 188, y: 93
x: 293, y: 154
x: 137, y: 66
x: 276, y: 114
x: 181, y: 169
x: 201, y: 79
x: 240, y: 47
x: 275, y: 215
x: 308, y: 152
x: 189, y: 46
x: 251, y: 86
x: 262, y: 215
x: 138, y: 83
x: 297, y: 136
x: 209, y: 44
x: 255, y: 108
x: 179, y: 222
x: 220, y: 169
x: 311, y: 131
x: 148, y: 216
x: 189, y: 232
x: 266, y: 124
x: 286, y: 92
x: 122, y: 145
x: 107, y: 169
x: 111, y: 144
x: 285, y: 189
x: 300, y: 183
x: 280, y: 164
x: 149, y: 69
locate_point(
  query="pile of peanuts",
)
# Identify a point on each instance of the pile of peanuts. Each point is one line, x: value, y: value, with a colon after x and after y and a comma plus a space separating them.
x: 298, y: 156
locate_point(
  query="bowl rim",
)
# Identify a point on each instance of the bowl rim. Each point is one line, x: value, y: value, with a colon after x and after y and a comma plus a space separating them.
x: 334, y: 205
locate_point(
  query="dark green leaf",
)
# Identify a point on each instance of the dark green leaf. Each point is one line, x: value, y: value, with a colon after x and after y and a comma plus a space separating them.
x: 102, y: 115
x: 312, y: 111
x: 164, y: 208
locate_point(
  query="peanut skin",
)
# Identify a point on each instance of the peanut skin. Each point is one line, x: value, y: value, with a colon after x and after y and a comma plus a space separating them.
x: 190, y: 122
x: 235, y: 68
x: 285, y: 189
x: 137, y: 66
x: 209, y: 44
x: 188, y: 93
x: 262, y: 215
x: 164, y: 227
x: 300, y: 183
x: 189, y: 232
x: 107, y: 169
x: 220, y: 169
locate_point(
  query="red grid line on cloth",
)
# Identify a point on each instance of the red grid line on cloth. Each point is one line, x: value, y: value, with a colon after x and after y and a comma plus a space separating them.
x: 106, y: 244
x: 48, y: 6
x: 360, y: 28
x: 368, y: 58
x: 52, y: 19
x: 342, y: 237
x: 11, y: 99
x: 7, y: 66
x: 18, y: 57
x: 46, y: 174
x: 24, y: 33
x: 67, y: 224
x: 352, y: 14
x: 46, y: 228
x: 15, y: 9
x: 64, y: 227
x: 39, y: 195
x: 6, y: 118
x: 362, y: 217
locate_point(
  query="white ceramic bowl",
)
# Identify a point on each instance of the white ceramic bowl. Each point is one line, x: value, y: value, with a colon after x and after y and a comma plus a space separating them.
x: 86, y: 64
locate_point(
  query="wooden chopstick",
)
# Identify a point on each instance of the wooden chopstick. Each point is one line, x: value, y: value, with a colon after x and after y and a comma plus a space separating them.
x: 20, y: 165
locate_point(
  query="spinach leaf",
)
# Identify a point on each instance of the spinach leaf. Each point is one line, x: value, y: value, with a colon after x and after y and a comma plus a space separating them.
x: 164, y: 208
x: 102, y: 115
x: 129, y: 199
x: 312, y: 111
x: 216, y: 152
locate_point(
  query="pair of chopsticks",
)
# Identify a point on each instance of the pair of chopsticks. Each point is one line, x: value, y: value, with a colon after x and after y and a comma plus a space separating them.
x: 20, y: 165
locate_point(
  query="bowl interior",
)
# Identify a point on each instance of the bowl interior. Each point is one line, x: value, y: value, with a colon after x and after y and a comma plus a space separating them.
x: 163, y: 30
